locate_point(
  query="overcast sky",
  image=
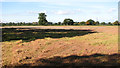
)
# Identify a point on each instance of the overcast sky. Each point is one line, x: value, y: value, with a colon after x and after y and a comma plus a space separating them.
x: 58, y: 10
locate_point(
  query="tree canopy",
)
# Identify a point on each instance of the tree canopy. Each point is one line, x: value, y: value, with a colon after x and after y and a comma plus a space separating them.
x: 42, y: 19
x: 116, y: 23
x: 68, y: 21
x: 90, y: 22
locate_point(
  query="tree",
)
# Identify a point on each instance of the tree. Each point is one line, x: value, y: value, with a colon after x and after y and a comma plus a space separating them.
x: 42, y: 19
x: 13, y: 24
x: 50, y: 23
x: 29, y: 23
x: 109, y: 23
x: 82, y: 23
x: 59, y: 23
x: 76, y: 23
x: 103, y: 23
x: 34, y: 23
x: 116, y: 23
x: 21, y: 23
x: 97, y: 23
x: 10, y: 23
x: 68, y: 22
x: 55, y: 23
x: 90, y: 22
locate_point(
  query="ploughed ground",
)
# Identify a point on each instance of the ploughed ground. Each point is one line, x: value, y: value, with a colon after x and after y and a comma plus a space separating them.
x: 60, y: 46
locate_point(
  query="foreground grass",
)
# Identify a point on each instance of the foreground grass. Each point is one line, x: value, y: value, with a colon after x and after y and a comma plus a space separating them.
x: 58, y: 43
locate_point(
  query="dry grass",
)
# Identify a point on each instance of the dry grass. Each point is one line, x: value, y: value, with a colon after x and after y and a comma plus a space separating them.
x: 58, y: 42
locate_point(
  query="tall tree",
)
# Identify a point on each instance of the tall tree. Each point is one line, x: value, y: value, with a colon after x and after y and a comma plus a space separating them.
x: 42, y: 19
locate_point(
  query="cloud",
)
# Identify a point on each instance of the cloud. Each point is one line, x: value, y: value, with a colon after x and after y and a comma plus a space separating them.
x: 43, y: 11
x: 64, y: 12
x: 97, y: 12
x: 36, y: 12
x: 112, y: 10
x: 68, y: 12
x: 2, y: 0
x: 79, y: 10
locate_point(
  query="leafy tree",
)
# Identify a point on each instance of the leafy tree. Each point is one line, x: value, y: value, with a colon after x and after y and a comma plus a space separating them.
x: 109, y: 23
x: 13, y: 23
x: 42, y: 19
x: 34, y: 23
x: 50, y: 23
x: 55, y: 23
x: 82, y: 23
x: 96, y: 23
x: 10, y: 23
x: 59, y: 23
x: 3, y: 24
x: 17, y: 23
x: 68, y: 22
x: 21, y: 23
x: 76, y: 23
x: 90, y: 22
x: 103, y: 23
x: 116, y: 23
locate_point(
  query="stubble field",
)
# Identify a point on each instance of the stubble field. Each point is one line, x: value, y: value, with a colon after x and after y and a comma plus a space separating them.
x: 60, y: 46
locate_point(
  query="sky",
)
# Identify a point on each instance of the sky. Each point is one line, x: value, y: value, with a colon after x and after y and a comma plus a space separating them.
x: 58, y: 10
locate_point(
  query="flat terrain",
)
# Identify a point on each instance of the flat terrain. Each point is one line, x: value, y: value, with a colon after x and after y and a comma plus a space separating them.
x: 60, y: 45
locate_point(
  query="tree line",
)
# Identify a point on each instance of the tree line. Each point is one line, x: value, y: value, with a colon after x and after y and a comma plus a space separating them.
x: 67, y: 21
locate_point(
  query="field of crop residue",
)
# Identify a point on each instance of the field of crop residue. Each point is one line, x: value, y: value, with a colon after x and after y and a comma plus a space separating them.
x: 60, y: 45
